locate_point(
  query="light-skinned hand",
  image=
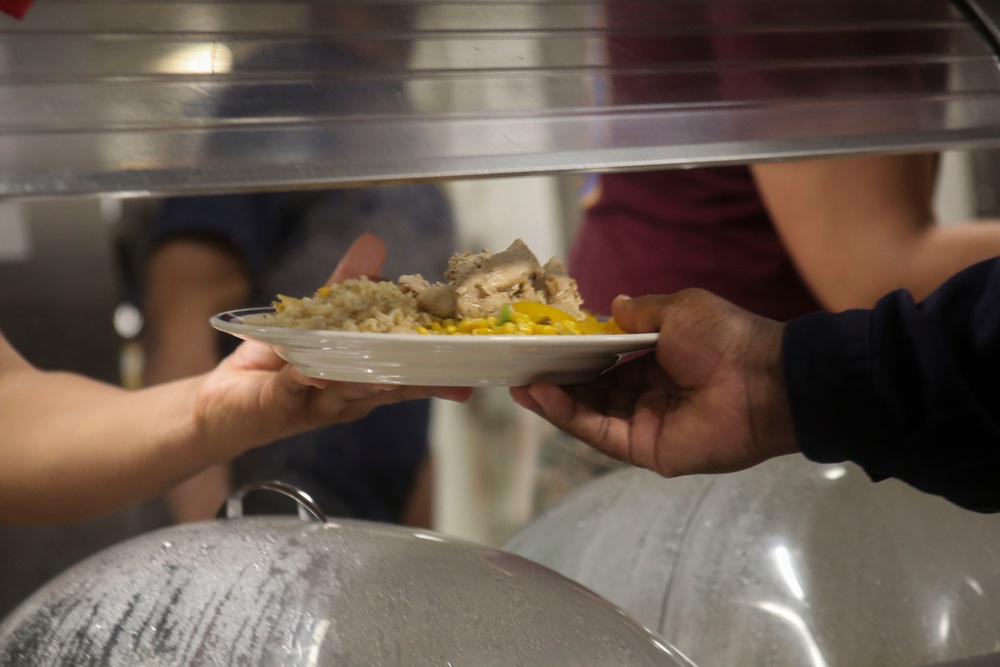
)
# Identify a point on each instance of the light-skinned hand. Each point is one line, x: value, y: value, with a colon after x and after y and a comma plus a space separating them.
x: 254, y: 395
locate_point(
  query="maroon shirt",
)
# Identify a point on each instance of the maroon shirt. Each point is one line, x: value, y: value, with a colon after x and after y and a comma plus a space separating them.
x: 16, y: 8
x: 657, y: 232
x: 666, y: 230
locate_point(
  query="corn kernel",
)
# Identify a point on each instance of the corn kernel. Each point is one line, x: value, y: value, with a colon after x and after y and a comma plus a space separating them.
x: 520, y: 323
x: 465, y: 326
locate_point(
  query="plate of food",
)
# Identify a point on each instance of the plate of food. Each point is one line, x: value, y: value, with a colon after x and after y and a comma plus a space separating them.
x: 499, y: 319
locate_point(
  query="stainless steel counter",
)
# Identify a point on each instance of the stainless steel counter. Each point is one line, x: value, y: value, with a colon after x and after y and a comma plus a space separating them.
x: 168, y: 96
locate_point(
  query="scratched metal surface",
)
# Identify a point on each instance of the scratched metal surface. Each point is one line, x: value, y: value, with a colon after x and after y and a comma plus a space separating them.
x: 284, y: 592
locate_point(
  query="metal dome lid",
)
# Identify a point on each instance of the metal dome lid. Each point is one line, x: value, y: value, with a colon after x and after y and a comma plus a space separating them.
x: 262, y: 591
x: 787, y: 564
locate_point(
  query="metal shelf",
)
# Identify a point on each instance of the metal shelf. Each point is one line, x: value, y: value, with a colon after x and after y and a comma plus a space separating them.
x: 175, y: 96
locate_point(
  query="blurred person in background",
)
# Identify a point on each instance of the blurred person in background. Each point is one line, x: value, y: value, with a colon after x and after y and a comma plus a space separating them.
x: 207, y: 254
x: 210, y: 254
x: 778, y: 238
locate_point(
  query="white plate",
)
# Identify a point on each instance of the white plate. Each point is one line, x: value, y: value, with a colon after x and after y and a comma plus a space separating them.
x: 444, y: 361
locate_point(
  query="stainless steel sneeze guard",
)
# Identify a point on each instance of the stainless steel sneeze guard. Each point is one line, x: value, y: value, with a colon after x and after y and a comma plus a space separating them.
x: 162, y: 97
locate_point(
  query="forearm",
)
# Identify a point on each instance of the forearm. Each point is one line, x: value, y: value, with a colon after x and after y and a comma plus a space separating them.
x: 72, y: 447
x: 179, y: 346
x: 89, y: 447
x: 942, y: 251
x: 189, y: 280
x: 918, y: 261
x: 859, y: 228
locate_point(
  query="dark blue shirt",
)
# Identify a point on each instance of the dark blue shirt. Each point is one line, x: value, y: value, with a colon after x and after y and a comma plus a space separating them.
x: 906, y: 390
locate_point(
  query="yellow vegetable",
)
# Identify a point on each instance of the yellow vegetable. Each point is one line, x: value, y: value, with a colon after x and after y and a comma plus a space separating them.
x: 524, y: 318
x: 538, y: 312
x: 591, y: 325
x: 612, y: 327
x: 284, y: 302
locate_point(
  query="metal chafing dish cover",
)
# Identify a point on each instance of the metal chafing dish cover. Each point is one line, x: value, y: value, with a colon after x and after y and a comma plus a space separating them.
x: 787, y: 564
x: 280, y: 591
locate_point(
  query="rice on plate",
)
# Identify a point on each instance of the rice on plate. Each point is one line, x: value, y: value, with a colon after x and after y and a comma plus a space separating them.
x: 504, y: 293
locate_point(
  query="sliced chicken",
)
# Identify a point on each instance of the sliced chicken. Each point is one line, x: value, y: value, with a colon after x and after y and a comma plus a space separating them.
x: 481, y: 283
x: 560, y: 289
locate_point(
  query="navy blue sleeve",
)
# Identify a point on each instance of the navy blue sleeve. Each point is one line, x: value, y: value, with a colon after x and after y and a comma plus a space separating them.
x: 244, y: 221
x: 906, y: 390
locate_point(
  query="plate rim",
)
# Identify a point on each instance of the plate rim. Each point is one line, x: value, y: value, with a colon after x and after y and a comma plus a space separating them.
x: 225, y: 322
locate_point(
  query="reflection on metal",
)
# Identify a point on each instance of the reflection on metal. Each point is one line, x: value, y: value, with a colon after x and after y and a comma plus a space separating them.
x: 307, y: 508
x: 798, y: 625
x: 986, y: 13
x: 975, y: 586
x: 167, y: 96
x: 944, y: 623
x: 196, y: 59
x: 783, y: 563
